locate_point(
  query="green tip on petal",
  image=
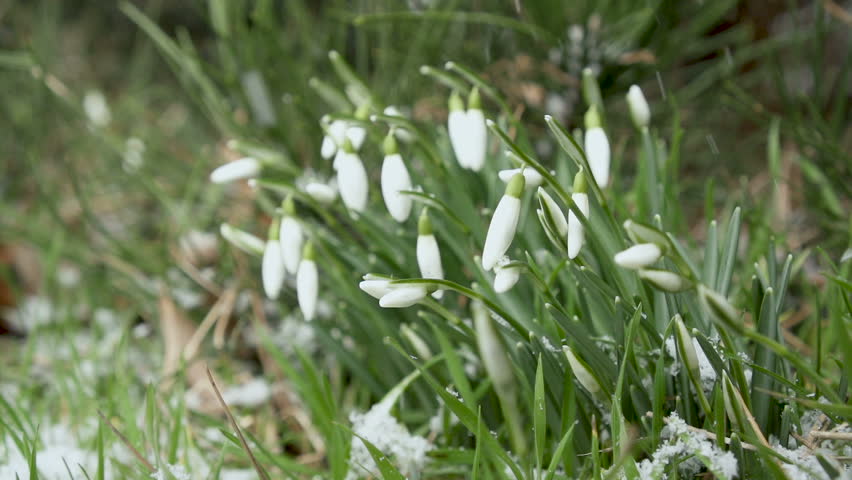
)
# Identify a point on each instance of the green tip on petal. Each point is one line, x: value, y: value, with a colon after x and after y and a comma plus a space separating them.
x: 347, y: 146
x: 580, y: 182
x: 592, y: 118
x: 515, y: 186
x: 289, y: 206
x: 363, y: 112
x: 389, y: 145
x: 474, y: 101
x: 424, y: 224
x: 456, y: 103
x: 274, y: 227
x: 308, y: 252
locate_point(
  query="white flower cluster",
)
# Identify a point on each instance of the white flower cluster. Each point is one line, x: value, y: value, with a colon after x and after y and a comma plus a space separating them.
x: 380, y: 428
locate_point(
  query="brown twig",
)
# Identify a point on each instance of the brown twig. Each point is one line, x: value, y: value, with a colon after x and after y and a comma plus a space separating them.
x: 260, y: 471
x: 127, y: 443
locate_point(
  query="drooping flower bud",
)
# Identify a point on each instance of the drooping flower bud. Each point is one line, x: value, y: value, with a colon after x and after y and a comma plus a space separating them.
x: 664, y: 280
x: 596, y: 146
x: 351, y: 178
x: 575, y: 227
x: 532, y: 178
x: 322, y: 193
x: 504, y: 223
x: 244, y: 168
x: 552, y: 213
x: 686, y: 348
x: 96, y: 108
x: 639, y: 110
x: 639, y: 256
x: 272, y: 268
x: 402, y: 296
x: 468, y: 133
x: 395, y: 178
x: 291, y: 236
x: 581, y: 372
x: 506, y: 275
x: 375, y: 285
x: 307, y: 282
x: 428, y: 253
x: 642, y: 233
x: 718, y: 306
x: 242, y: 239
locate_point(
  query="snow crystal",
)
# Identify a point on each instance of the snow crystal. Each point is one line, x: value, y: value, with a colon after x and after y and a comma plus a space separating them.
x: 805, y: 464
x: 237, y: 474
x: 33, y: 312
x: 252, y: 394
x: 683, y: 442
x: 381, y: 429
x: 295, y: 332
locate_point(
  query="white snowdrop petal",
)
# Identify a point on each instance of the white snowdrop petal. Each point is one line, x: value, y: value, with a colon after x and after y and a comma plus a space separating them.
x: 272, y: 269
x: 532, y: 179
x: 335, y: 134
x: 321, y: 192
x: 403, y: 296
x: 584, y: 376
x: 506, y: 278
x: 96, y: 108
x: 639, y: 109
x: 597, y: 152
x: 638, y: 256
x: 291, y: 238
x: 456, y: 128
x: 352, y: 180
x: 664, y: 280
x: 376, y: 288
x: 501, y: 232
x: 328, y: 147
x: 356, y: 135
x: 429, y: 260
x: 307, y: 284
x: 477, y: 139
x: 241, y: 169
x: 395, y: 178
x: 555, y: 212
x: 575, y: 227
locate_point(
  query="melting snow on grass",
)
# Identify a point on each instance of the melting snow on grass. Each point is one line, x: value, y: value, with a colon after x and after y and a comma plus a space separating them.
x: 379, y: 427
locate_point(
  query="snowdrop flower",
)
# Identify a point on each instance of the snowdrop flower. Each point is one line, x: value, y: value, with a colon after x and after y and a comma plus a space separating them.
x: 96, y: 108
x: 506, y: 275
x: 273, y: 264
x: 686, y: 348
x: 307, y: 283
x: 504, y: 222
x: 531, y: 176
x: 403, y: 296
x: 639, y: 256
x: 291, y: 237
x: 394, y: 179
x: 552, y: 212
x: 428, y: 253
x: 244, y: 168
x: 322, y: 193
x: 664, y: 280
x: 468, y: 134
x: 351, y: 178
x: 581, y: 372
x: 596, y: 146
x: 375, y: 285
x: 259, y: 99
x: 335, y: 133
x: 575, y: 227
x: 242, y: 239
x: 639, y: 110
